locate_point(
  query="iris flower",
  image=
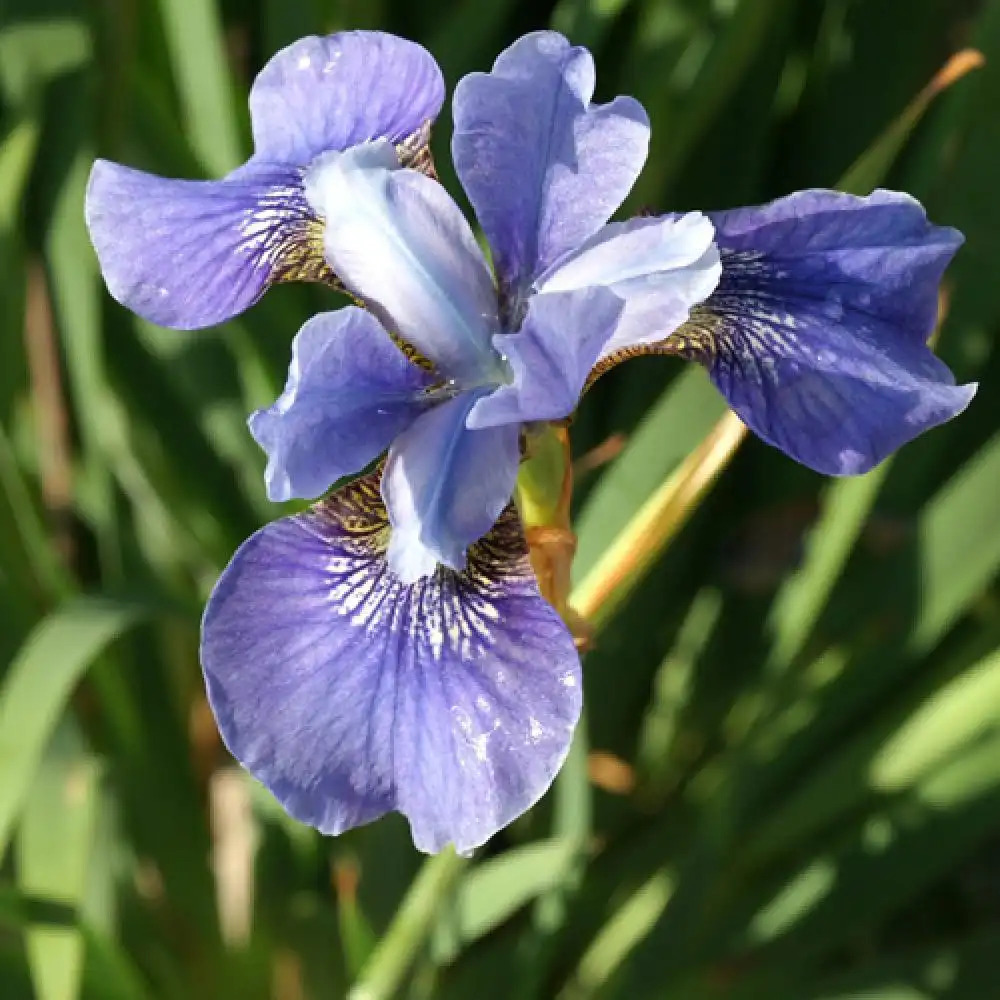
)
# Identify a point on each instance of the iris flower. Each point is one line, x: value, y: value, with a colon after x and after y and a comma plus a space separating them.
x: 382, y: 653
x: 188, y: 254
x: 817, y: 333
x: 389, y: 649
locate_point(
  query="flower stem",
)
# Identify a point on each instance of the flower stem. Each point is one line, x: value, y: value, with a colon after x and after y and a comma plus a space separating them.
x: 660, y: 518
x: 410, y: 927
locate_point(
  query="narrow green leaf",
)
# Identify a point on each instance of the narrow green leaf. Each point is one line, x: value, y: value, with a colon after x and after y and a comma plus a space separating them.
x: 55, y: 841
x: 959, y: 546
x: 31, y: 53
x: 410, y: 928
x: 76, y: 291
x: 356, y: 932
x: 197, y: 50
x: 963, y: 970
x: 629, y: 925
x: 846, y: 506
x: 494, y: 890
x: 872, y: 167
x: 687, y: 59
x: 19, y: 910
x: 38, y: 685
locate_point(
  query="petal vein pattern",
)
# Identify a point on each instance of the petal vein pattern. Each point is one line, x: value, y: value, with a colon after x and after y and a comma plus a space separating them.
x: 349, y: 693
x: 817, y: 332
x: 189, y: 254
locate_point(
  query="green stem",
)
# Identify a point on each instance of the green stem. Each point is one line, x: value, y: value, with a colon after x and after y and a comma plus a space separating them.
x: 409, y: 929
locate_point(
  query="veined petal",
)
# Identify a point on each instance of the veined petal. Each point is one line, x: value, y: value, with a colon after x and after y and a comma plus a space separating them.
x: 399, y: 242
x: 322, y: 94
x: 543, y: 168
x: 350, y: 391
x: 817, y: 332
x: 445, y: 486
x: 188, y: 254
x: 349, y: 693
x: 563, y: 335
x: 660, y: 267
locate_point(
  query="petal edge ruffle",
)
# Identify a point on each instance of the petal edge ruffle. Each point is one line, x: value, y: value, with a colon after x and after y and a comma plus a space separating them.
x: 350, y: 392
x: 189, y: 254
x: 817, y: 332
x: 330, y: 93
x: 350, y: 694
x: 543, y: 167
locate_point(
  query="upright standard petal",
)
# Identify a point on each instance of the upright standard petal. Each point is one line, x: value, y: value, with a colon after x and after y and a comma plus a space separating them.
x: 817, y: 333
x: 445, y: 486
x: 322, y: 94
x: 543, y: 168
x: 188, y: 254
x: 563, y: 335
x: 399, y: 242
x: 350, y: 391
x: 349, y: 693
x: 659, y: 267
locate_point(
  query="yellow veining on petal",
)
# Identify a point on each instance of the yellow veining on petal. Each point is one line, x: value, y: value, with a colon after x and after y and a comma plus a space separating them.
x: 695, y: 340
x: 282, y: 233
x: 415, y: 151
x: 448, y: 612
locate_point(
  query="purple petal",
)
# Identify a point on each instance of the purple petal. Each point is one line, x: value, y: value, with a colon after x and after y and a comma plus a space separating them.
x: 350, y: 694
x: 399, y: 242
x: 331, y: 93
x: 659, y: 267
x: 543, y: 168
x: 188, y: 254
x: 817, y: 333
x: 445, y: 486
x: 563, y: 335
x: 350, y: 391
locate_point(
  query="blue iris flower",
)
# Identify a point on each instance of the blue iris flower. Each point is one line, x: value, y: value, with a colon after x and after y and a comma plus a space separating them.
x: 389, y: 649
x: 817, y: 333
x: 188, y: 254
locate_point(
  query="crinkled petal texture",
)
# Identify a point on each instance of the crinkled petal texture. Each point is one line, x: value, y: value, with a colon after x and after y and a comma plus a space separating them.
x: 817, y: 333
x: 401, y: 244
x: 659, y: 267
x: 445, y: 485
x: 350, y: 391
x: 188, y: 254
x: 320, y: 94
x: 562, y: 337
x: 543, y: 168
x: 350, y: 694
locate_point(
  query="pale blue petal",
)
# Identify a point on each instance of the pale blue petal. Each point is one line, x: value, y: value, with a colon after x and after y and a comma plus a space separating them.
x: 660, y: 267
x: 350, y: 391
x: 543, y: 168
x: 445, y: 486
x: 399, y: 242
x: 563, y: 335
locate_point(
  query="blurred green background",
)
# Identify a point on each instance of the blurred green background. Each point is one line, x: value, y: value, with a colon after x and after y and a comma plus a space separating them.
x: 788, y: 783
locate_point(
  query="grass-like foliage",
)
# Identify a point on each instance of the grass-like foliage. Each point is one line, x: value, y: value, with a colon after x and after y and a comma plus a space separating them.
x: 787, y: 786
